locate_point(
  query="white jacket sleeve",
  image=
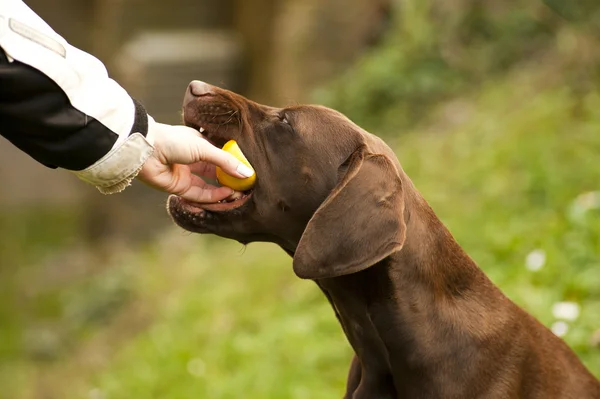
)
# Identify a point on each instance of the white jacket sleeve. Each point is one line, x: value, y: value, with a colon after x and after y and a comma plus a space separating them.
x: 67, y: 111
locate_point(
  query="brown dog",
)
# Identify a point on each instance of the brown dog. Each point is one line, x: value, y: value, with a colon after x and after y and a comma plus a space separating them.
x: 422, y: 318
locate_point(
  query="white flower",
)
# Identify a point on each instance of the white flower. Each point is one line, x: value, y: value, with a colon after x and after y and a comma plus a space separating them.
x: 595, y: 341
x: 535, y: 260
x: 583, y: 203
x: 566, y: 310
x: 560, y: 328
x: 96, y: 393
x: 196, y: 367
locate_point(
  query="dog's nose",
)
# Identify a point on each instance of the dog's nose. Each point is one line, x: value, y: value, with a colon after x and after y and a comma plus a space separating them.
x: 199, y: 88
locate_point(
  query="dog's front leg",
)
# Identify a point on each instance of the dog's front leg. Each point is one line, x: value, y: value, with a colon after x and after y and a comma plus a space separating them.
x: 354, y: 376
x: 368, y: 386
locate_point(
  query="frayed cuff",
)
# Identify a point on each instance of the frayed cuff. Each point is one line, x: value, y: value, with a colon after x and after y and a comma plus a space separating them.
x: 115, y: 171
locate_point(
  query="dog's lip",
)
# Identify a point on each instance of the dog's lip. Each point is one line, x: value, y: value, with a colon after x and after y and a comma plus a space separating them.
x: 210, y: 131
x: 196, y: 208
x: 208, y: 134
x: 217, y: 207
x: 188, y: 206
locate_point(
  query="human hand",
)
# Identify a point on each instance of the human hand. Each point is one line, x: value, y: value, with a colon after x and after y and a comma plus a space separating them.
x: 180, y: 157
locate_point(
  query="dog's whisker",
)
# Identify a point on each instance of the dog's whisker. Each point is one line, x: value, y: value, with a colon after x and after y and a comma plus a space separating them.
x: 230, y: 119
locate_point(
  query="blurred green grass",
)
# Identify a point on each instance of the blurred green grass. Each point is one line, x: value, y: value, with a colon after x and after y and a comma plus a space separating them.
x: 207, y: 317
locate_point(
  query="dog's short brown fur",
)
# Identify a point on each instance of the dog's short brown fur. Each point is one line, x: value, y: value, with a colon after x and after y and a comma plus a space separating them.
x: 422, y: 318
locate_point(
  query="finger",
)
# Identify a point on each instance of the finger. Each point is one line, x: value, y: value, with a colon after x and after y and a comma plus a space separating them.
x: 204, y: 169
x: 184, y: 145
x: 200, y: 182
x: 230, y: 164
x: 206, y: 194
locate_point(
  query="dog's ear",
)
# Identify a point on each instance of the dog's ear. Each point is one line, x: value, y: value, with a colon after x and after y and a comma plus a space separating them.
x: 359, y: 223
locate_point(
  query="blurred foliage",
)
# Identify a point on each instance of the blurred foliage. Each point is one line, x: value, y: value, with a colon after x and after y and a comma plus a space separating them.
x: 585, y: 12
x: 20, y: 248
x: 497, y: 104
x: 439, y: 48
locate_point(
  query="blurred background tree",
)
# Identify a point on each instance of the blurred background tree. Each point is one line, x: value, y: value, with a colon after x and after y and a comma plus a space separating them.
x: 492, y: 108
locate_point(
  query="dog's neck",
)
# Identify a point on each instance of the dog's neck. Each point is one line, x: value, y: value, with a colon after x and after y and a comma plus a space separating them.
x: 432, y: 256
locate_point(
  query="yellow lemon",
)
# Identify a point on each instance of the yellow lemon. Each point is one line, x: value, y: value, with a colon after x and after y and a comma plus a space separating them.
x: 233, y: 182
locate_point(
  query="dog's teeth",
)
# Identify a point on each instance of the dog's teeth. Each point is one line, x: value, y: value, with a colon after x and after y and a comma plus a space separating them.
x: 235, y: 196
x: 201, y: 130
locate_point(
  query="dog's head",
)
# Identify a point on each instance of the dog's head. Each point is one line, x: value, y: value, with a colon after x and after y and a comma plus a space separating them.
x: 327, y: 192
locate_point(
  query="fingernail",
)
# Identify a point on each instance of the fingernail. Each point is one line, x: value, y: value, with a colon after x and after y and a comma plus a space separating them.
x: 244, y: 170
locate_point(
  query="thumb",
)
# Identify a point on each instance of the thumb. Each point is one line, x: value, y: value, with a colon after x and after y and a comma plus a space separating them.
x: 184, y: 145
x: 230, y: 164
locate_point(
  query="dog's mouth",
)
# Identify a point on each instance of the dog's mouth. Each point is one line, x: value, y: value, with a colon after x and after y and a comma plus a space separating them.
x: 217, y: 123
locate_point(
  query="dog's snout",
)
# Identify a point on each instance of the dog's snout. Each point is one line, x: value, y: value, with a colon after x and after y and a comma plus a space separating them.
x: 198, y: 88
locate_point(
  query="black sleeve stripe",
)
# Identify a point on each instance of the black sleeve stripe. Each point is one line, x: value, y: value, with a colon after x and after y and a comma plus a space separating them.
x: 3, y: 57
x: 37, y: 117
x: 140, y: 123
